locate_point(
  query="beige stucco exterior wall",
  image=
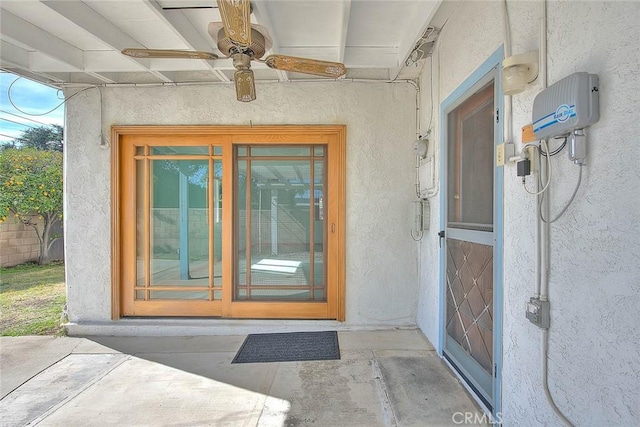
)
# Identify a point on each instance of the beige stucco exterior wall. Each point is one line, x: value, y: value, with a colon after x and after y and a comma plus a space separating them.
x: 381, y: 270
x: 594, y: 355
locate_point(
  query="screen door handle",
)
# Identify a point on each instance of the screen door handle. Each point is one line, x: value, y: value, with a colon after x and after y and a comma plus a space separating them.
x: 440, y: 237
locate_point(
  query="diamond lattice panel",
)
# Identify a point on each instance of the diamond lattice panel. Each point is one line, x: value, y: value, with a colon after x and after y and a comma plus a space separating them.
x: 470, y: 298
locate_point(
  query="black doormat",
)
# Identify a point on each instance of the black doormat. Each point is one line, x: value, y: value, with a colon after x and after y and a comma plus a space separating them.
x: 289, y: 347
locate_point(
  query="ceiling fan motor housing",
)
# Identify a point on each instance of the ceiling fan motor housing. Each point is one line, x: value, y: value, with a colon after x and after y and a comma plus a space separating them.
x: 256, y: 49
x: 241, y: 61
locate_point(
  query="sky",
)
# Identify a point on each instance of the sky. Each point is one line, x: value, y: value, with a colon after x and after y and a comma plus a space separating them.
x: 33, y: 99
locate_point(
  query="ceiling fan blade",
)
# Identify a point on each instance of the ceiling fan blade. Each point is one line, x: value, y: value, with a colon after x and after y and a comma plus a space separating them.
x: 236, y: 20
x: 306, y: 66
x: 245, y: 85
x: 169, y: 53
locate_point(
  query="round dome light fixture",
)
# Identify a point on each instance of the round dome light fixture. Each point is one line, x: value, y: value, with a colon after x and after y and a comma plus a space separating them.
x: 517, y: 71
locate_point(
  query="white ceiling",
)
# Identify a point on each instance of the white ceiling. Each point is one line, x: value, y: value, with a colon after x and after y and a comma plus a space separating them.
x: 73, y: 41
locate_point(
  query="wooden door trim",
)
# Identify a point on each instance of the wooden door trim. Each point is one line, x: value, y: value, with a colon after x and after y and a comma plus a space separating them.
x: 334, y: 136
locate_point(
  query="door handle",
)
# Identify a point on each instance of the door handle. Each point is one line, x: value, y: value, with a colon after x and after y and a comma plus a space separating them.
x: 440, y: 237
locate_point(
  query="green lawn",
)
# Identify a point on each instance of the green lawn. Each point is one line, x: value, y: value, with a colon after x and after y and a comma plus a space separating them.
x: 31, y: 299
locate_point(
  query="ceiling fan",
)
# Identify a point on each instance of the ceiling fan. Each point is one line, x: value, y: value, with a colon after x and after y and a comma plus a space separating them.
x: 239, y: 40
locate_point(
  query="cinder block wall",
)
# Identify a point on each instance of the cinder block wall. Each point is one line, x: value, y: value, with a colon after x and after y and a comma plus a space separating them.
x: 19, y: 244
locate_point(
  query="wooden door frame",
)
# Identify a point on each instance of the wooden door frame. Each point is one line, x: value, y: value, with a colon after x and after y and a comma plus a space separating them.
x: 333, y: 136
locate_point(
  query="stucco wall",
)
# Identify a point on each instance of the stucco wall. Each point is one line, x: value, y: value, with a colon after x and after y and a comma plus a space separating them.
x: 594, y: 356
x: 381, y: 277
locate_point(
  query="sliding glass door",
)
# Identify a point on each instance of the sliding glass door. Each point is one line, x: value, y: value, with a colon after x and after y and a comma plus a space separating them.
x: 229, y: 225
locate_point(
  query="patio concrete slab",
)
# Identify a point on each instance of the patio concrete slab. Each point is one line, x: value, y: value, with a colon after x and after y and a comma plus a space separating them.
x: 398, y: 339
x: 421, y: 388
x: 384, y: 378
x: 54, y: 386
x: 256, y: 377
x: 150, y: 345
x: 342, y: 392
x: 142, y: 392
x: 22, y: 358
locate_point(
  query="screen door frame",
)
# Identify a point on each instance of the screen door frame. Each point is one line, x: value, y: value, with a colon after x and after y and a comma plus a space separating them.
x: 491, y: 69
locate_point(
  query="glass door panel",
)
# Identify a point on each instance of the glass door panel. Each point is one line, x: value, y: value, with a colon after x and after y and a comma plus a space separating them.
x: 179, y: 223
x: 178, y: 228
x: 280, y: 238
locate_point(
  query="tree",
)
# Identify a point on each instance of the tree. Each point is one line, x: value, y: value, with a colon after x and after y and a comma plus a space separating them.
x: 31, y: 182
x: 42, y: 138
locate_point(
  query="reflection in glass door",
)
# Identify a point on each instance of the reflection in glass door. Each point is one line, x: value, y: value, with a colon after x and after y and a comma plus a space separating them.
x: 178, y: 230
x: 280, y: 230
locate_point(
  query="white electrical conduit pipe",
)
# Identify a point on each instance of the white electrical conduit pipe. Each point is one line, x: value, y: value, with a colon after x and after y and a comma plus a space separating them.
x: 508, y: 102
x: 544, y: 228
x: 540, y: 196
x: 545, y: 378
x: 542, y: 264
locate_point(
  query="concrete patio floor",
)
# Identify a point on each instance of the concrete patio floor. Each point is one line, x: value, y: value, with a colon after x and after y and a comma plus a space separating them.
x: 384, y: 378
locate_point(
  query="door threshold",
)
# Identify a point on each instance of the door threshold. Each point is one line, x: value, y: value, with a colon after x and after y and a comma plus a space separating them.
x: 475, y: 395
x: 154, y: 327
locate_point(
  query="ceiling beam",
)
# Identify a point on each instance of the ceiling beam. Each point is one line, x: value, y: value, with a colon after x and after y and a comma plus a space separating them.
x: 278, y: 175
x: 97, y: 25
x: 262, y: 17
x: 416, y: 28
x: 371, y: 57
x: 22, y: 32
x: 344, y: 32
x: 104, y: 77
x: 183, y: 28
x: 49, y: 79
x: 13, y: 55
x: 296, y: 169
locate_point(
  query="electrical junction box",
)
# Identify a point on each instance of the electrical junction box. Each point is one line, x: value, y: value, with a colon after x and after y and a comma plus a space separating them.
x: 426, y: 176
x: 538, y: 312
x: 503, y: 152
x: 569, y: 104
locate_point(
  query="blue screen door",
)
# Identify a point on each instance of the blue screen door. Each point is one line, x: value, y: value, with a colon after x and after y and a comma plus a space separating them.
x: 468, y: 198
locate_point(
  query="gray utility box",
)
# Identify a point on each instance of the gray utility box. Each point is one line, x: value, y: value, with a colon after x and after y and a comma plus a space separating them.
x: 569, y: 104
x: 539, y: 312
